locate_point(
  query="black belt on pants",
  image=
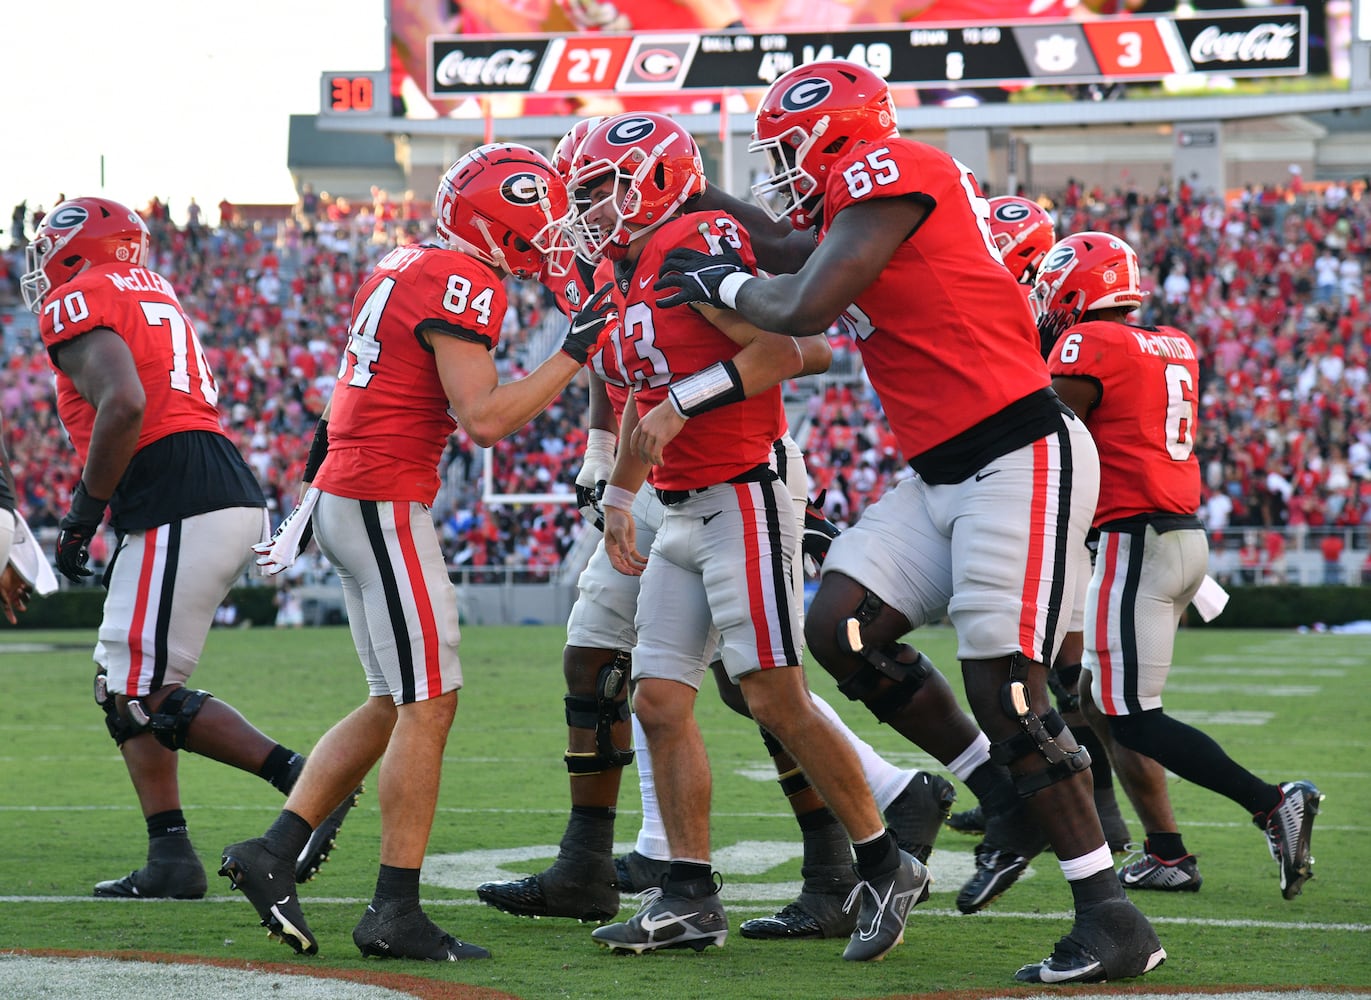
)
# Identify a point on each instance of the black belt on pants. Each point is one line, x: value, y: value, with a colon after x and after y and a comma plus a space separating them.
x: 757, y: 474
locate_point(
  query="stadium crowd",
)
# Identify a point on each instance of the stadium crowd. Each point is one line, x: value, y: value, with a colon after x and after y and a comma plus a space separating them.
x: 1273, y: 286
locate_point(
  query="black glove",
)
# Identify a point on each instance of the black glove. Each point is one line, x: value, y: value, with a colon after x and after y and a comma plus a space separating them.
x: 75, y: 531
x: 819, y: 530
x: 696, y: 275
x: 592, y: 326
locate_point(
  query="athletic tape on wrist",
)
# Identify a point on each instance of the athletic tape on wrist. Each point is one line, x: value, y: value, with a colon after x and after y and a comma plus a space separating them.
x: 707, y: 389
x: 728, y: 288
x: 617, y: 496
x: 601, y: 443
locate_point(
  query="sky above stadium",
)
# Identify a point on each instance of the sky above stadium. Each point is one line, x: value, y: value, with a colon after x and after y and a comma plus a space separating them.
x: 182, y: 98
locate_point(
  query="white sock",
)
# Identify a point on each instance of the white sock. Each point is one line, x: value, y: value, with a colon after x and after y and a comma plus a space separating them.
x: 652, y: 842
x: 971, y: 758
x: 885, y: 779
x: 1087, y: 864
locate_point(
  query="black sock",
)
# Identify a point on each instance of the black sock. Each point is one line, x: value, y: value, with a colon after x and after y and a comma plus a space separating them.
x: 1167, y: 846
x: 287, y: 837
x: 595, y: 812
x: 396, y: 887
x: 817, y: 819
x: 690, y: 879
x: 171, y: 823
x: 1097, y: 888
x: 877, y: 857
x: 281, y: 768
x: 993, y: 788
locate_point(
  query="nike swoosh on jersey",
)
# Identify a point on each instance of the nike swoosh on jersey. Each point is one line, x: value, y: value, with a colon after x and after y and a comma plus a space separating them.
x: 986, y: 474
x: 642, y: 282
x: 711, y: 516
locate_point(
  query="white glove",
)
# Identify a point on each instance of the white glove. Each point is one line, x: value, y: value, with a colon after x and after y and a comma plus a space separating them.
x: 29, y: 559
x: 595, y: 469
x: 294, y: 533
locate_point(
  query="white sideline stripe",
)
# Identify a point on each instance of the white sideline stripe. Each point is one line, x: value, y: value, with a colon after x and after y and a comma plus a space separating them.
x: 1280, y: 925
x: 463, y: 811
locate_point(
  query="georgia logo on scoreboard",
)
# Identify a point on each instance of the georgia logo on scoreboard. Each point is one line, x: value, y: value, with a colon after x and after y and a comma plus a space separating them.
x: 658, y: 62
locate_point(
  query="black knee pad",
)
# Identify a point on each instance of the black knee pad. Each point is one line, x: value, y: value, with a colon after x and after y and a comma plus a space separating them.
x: 600, y: 713
x: 172, y: 720
x: 890, y: 675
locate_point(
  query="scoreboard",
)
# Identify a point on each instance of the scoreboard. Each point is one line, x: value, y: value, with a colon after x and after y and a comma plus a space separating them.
x: 1256, y: 42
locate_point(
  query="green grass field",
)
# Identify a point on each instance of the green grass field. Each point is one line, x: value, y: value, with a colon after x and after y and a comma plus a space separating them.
x: 1285, y: 705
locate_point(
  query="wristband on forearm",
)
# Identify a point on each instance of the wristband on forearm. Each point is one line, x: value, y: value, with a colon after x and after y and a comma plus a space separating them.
x: 318, y: 451
x: 85, y: 508
x: 617, y: 496
x: 728, y: 288
x: 708, y: 389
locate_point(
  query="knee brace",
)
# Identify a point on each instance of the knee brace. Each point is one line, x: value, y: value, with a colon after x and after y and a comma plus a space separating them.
x: 171, y: 722
x: 600, y: 713
x: 1039, y: 735
x: 888, y: 678
x: 121, y: 727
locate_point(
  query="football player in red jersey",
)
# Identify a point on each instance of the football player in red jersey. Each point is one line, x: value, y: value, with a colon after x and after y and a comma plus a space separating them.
x: 1023, y: 233
x: 700, y: 418
x: 1006, y: 476
x: 417, y: 363
x: 580, y: 883
x: 138, y: 400
x: 1137, y: 389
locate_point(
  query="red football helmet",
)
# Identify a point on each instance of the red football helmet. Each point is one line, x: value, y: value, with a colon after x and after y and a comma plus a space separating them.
x: 1023, y: 232
x: 810, y: 117
x: 505, y: 205
x: 656, y: 167
x: 565, y: 152
x: 77, y: 234
x: 1081, y: 272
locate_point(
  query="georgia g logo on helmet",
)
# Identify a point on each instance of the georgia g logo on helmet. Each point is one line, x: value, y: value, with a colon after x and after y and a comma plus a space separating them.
x: 523, y: 189
x: 1011, y: 211
x: 630, y: 131
x: 806, y: 93
x: 1058, y: 259
x: 68, y: 217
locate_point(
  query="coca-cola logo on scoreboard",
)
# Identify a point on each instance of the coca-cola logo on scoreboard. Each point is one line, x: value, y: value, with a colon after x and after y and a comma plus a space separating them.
x: 1246, y: 45
x: 461, y: 66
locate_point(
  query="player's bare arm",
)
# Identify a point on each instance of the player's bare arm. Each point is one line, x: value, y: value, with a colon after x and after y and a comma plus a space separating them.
x: 600, y: 415
x: 628, y: 477
x: 766, y: 359
x: 102, y: 368
x: 1081, y: 394
x: 856, y: 248
x: 487, y: 409
x: 858, y: 245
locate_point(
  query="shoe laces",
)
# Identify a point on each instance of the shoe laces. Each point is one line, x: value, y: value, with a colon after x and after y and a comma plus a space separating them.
x: 1136, y: 852
x: 856, y: 893
x: 648, y: 897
